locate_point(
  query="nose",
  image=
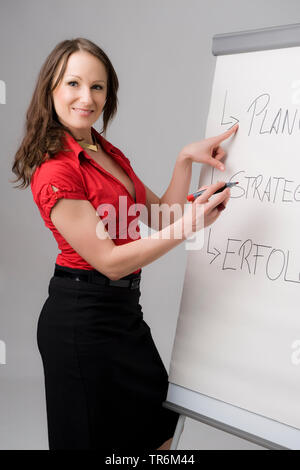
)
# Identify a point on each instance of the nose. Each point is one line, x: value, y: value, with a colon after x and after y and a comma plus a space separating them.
x: 86, y: 98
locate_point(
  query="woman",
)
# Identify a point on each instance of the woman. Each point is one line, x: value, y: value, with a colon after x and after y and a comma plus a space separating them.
x: 104, y: 379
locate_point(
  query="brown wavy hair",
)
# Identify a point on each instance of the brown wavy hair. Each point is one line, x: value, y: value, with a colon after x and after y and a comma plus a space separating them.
x: 43, y: 136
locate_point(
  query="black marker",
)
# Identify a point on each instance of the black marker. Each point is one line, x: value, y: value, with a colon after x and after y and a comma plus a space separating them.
x: 193, y: 196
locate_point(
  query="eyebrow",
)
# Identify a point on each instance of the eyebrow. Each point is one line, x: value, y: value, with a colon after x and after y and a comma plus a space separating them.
x: 71, y: 75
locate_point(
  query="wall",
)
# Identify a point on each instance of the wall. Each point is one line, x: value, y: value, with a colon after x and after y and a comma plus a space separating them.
x: 161, y: 50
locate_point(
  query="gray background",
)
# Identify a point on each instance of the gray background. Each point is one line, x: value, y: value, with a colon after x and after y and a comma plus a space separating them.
x: 161, y: 50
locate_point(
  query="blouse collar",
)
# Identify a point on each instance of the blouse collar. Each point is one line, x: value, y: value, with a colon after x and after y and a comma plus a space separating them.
x: 72, y: 144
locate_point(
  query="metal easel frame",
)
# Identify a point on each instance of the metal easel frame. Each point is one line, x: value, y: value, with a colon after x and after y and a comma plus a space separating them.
x: 276, y: 37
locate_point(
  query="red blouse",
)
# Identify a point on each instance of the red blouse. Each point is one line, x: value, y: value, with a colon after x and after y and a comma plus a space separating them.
x: 78, y: 176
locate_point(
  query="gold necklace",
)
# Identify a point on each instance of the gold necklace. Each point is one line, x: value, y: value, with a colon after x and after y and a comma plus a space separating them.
x: 86, y: 145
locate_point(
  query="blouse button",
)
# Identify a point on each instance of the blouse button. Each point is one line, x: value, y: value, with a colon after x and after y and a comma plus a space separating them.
x: 138, y: 213
x: 137, y: 228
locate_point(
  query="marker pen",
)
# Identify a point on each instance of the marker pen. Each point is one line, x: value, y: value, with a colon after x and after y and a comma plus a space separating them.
x: 193, y: 196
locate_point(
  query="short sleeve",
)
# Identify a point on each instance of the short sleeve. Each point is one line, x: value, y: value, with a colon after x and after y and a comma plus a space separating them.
x: 64, y: 176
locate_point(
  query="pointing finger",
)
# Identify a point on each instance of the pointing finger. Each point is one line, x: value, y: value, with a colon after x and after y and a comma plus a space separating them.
x: 227, y: 134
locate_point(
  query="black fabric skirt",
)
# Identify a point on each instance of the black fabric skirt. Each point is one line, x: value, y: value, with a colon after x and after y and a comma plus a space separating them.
x: 105, y: 381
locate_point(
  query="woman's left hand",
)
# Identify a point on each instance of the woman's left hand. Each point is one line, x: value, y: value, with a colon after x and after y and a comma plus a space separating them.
x: 209, y: 150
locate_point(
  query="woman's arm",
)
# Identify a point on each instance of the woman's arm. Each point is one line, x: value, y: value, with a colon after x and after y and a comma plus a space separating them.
x: 175, y: 194
x: 79, y: 224
x: 207, y: 151
x: 178, y: 188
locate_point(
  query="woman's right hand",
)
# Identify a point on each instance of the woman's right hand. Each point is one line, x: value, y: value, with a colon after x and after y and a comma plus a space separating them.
x: 204, y: 212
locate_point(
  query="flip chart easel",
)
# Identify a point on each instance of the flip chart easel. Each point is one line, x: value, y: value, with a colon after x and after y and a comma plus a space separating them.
x: 217, y: 378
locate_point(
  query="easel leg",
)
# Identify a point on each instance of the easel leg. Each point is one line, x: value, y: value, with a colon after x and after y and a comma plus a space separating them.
x: 178, y: 432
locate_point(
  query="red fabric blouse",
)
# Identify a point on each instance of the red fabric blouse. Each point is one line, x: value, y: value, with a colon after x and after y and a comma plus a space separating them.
x: 78, y: 176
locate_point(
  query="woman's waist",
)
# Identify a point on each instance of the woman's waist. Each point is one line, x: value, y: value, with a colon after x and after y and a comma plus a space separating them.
x: 131, y: 281
x: 71, y: 260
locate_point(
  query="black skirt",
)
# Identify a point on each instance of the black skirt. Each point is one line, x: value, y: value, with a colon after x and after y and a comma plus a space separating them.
x: 104, y: 379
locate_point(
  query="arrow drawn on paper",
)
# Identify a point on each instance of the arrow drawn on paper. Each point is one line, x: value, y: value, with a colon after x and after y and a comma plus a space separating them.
x: 235, y: 120
x: 216, y: 253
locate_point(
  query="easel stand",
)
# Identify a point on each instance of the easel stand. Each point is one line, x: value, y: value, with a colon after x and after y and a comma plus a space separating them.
x: 184, y: 412
x: 251, y: 366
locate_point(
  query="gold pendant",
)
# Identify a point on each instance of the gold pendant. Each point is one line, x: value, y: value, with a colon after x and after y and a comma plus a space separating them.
x: 86, y: 145
x: 89, y: 146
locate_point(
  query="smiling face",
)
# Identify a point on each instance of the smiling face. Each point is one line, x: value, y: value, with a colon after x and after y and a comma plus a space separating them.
x: 80, y: 97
